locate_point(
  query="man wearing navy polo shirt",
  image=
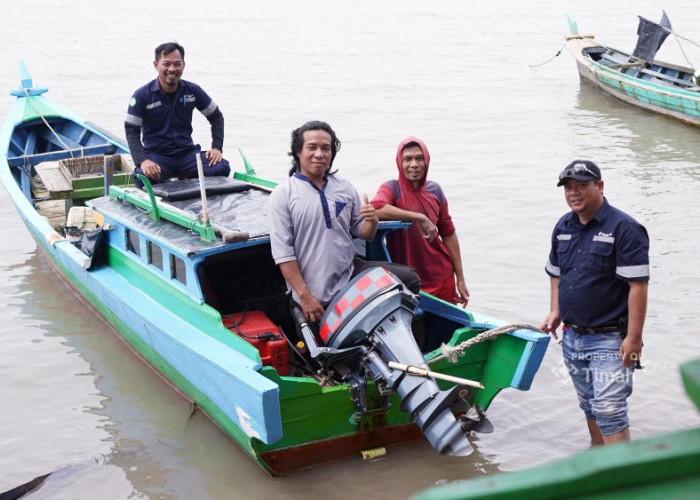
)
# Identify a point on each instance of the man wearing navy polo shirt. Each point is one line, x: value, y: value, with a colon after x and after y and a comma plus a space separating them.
x: 161, y: 111
x: 599, y: 271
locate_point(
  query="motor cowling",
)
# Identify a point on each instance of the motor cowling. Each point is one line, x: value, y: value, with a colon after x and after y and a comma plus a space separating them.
x: 375, y: 310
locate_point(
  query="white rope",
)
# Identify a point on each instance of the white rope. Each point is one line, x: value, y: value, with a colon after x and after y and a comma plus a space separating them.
x: 678, y: 40
x: 29, y: 100
x: 453, y: 353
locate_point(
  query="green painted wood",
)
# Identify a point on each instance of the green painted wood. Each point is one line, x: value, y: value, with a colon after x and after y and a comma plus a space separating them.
x: 690, y: 372
x: 254, y: 179
x: 665, y: 466
x: 158, y: 210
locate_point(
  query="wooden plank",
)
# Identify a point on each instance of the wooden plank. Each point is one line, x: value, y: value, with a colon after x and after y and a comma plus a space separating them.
x: 688, y: 85
x: 626, y: 65
x: 55, y: 182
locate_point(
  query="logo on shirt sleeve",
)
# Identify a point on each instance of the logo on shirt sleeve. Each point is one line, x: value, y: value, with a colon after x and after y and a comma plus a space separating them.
x: 132, y: 102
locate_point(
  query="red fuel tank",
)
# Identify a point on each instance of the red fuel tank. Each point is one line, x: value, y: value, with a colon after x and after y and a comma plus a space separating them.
x: 256, y: 328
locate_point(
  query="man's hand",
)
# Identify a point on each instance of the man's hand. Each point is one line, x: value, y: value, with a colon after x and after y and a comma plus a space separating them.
x: 551, y: 323
x: 462, y: 292
x: 367, y: 211
x: 312, y: 308
x: 631, y: 350
x: 429, y: 229
x: 150, y: 169
x: 214, y: 156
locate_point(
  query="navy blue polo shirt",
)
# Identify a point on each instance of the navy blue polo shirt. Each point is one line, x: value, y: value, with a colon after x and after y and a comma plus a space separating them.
x: 166, y: 119
x: 594, y: 263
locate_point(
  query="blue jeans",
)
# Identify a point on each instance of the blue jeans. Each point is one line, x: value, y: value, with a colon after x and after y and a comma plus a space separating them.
x: 602, y: 383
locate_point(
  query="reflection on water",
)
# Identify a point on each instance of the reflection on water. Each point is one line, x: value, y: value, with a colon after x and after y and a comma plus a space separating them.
x: 634, y: 135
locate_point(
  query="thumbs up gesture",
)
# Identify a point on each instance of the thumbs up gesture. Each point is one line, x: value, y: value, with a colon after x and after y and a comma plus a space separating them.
x: 367, y: 210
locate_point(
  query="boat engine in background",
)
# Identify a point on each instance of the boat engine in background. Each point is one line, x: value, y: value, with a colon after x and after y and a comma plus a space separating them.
x: 367, y: 325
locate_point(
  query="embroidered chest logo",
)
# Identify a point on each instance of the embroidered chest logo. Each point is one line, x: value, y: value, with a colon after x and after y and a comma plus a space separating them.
x: 604, y: 237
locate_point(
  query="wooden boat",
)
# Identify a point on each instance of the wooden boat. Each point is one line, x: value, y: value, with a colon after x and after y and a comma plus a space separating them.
x: 637, y: 78
x: 201, y: 300
x: 665, y: 466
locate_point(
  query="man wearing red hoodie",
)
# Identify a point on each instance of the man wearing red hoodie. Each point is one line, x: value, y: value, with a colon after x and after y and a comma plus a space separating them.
x: 430, y: 244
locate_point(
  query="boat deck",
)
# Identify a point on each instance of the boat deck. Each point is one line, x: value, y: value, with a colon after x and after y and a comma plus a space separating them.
x: 661, y: 73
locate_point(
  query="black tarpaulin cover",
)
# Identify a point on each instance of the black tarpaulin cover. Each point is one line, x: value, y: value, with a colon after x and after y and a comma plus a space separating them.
x: 239, y: 211
x: 189, y: 188
x: 650, y: 37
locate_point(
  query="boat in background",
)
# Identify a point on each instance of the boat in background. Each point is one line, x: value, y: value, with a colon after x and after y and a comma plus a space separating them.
x: 638, y: 78
x: 188, y: 281
x: 665, y: 466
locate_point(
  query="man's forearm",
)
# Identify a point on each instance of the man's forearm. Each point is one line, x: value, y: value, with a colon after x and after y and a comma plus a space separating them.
x: 554, y: 295
x: 216, y: 119
x: 390, y: 212
x: 368, y: 229
x: 292, y: 275
x: 133, y: 139
x: 452, y: 244
x: 637, y: 308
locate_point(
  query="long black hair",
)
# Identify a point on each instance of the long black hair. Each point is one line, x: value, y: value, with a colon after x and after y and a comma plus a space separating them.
x: 298, y: 142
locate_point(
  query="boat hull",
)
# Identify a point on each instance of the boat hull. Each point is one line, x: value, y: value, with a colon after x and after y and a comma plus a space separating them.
x: 677, y: 103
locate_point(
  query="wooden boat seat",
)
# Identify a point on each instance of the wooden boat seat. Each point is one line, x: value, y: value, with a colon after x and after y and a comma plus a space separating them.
x: 32, y: 159
x: 82, y: 178
x: 686, y: 84
x: 58, y: 186
x: 638, y: 64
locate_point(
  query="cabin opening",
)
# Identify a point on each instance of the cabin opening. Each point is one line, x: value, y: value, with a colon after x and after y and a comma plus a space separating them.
x: 247, y: 280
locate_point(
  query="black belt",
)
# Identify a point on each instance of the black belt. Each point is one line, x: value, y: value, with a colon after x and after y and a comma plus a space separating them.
x: 601, y: 329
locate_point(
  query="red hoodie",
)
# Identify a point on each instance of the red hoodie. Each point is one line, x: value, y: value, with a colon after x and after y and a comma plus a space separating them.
x: 431, y: 259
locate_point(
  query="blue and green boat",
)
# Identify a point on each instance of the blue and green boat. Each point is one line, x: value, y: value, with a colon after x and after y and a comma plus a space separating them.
x: 189, y: 283
x: 638, y: 78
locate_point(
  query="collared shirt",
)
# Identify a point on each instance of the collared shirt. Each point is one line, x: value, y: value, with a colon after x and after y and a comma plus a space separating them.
x: 165, y: 119
x: 594, y: 263
x: 318, y: 235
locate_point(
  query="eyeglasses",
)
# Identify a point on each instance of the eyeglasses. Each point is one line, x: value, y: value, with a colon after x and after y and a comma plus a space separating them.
x: 578, y: 169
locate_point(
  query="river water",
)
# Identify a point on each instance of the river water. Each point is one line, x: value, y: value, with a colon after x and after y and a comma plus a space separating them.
x: 458, y: 74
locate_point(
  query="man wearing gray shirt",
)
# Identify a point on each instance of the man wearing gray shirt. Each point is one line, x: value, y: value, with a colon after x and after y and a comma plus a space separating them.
x: 314, y: 216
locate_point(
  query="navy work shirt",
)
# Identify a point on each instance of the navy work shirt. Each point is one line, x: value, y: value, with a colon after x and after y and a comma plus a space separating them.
x: 594, y: 263
x: 165, y: 119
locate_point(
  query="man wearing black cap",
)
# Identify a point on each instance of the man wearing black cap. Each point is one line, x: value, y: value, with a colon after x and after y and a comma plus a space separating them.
x: 599, y: 271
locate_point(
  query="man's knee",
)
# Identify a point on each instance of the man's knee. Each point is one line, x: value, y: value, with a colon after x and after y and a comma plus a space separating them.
x: 411, y: 279
x: 222, y: 168
x: 611, y: 422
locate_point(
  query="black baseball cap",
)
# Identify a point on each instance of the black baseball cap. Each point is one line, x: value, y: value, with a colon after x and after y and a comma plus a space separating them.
x: 581, y: 170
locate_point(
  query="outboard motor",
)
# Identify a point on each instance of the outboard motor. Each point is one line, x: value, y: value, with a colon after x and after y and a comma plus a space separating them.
x: 373, y: 315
